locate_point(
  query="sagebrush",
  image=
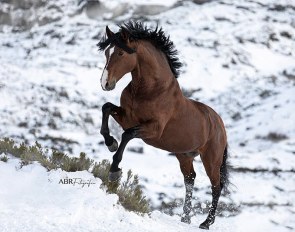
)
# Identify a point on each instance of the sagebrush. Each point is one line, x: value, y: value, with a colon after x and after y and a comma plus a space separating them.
x: 129, y: 191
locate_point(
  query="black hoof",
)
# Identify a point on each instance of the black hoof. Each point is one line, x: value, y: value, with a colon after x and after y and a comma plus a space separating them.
x: 186, y: 219
x: 114, y: 176
x: 114, y: 146
x: 205, y: 225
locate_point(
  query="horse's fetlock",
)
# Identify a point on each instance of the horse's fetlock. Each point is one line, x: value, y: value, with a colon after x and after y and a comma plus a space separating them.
x: 104, y: 132
x: 113, y: 146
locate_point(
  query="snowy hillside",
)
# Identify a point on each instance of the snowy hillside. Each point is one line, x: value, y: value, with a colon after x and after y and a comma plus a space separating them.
x: 239, y: 58
x: 37, y: 202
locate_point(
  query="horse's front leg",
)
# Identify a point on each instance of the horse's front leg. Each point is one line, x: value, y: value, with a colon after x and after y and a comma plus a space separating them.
x: 150, y: 129
x: 115, y: 111
x: 115, y: 171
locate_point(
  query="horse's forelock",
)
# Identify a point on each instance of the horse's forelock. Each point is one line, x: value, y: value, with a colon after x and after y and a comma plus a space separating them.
x: 117, y: 40
x: 103, y: 43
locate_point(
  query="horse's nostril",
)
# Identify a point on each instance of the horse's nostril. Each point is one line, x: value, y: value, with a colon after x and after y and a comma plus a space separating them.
x: 109, y: 85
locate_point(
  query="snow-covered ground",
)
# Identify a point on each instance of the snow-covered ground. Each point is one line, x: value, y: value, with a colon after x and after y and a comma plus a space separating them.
x: 239, y: 58
x: 37, y: 202
x: 33, y: 199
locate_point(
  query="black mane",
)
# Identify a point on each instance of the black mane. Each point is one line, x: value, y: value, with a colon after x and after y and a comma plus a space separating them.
x: 139, y: 31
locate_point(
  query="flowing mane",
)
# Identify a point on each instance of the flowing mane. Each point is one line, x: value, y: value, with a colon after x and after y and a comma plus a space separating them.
x: 139, y: 31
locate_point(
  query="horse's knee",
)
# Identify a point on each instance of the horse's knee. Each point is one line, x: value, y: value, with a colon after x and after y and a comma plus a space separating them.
x: 106, y: 108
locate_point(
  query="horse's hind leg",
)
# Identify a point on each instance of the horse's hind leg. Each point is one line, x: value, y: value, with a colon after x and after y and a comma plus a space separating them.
x: 187, y: 169
x: 212, y: 161
x: 107, y: 110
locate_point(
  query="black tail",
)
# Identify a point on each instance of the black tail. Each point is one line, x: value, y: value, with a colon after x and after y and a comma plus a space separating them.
x: 224, y: 171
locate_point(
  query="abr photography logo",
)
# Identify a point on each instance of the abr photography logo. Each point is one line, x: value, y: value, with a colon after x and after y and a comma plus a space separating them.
x: 76, y: 181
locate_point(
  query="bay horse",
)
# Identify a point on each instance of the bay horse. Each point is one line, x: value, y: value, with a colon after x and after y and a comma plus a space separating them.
x: 154, y: 109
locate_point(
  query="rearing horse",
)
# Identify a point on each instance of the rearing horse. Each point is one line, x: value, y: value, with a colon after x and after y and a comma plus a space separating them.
x: 154, y: 109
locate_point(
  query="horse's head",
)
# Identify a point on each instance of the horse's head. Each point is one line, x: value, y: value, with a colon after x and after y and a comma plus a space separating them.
x: 120, y: 57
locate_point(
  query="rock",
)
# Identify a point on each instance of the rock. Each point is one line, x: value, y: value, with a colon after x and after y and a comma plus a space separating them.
x: 201, y: 1
x: 237, y: 116
x: 289, y: 74
x: 26, y: 4
x: 97, y: 10
x: 23, y: 124
x: 24, y: 14
x: 149, y: 9
x: 286, y: 34
x: 265, y: 94
x: 5, y: 17
x: 22, y: 19
x: 136, y: 149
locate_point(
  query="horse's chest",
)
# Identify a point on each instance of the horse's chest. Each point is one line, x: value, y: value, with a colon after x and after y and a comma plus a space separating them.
x: 141, y: 112
x: 138, y: 111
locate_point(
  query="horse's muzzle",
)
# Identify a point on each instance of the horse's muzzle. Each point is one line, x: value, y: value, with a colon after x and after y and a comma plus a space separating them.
x: 110, y: 85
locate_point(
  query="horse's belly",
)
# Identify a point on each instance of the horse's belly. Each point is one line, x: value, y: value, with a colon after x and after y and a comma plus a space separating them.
x: 169, y: 146
x: 178, y: 140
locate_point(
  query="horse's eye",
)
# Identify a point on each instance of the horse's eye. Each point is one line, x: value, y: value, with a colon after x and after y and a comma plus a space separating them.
x: 120, y: 53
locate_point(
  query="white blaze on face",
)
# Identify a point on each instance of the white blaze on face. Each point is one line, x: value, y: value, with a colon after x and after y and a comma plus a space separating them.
x: 104, y: 78
x: 105, y: 73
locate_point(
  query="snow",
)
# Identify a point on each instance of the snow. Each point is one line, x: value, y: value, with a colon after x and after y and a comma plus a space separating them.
x: 237, y: 58
x: 39, y: 202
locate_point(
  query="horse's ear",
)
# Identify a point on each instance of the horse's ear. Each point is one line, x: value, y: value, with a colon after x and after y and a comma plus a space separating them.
x: 125, y: 34
x: 109, y: 32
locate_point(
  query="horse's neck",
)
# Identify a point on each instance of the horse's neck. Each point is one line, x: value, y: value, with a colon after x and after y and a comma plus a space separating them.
x: 152, y: 72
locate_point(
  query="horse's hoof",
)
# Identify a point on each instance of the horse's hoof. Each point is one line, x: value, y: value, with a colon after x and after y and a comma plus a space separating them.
x: 114, y: 146
x: 205, y: 225
x: 114, y: 176
x: 186, y: 219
